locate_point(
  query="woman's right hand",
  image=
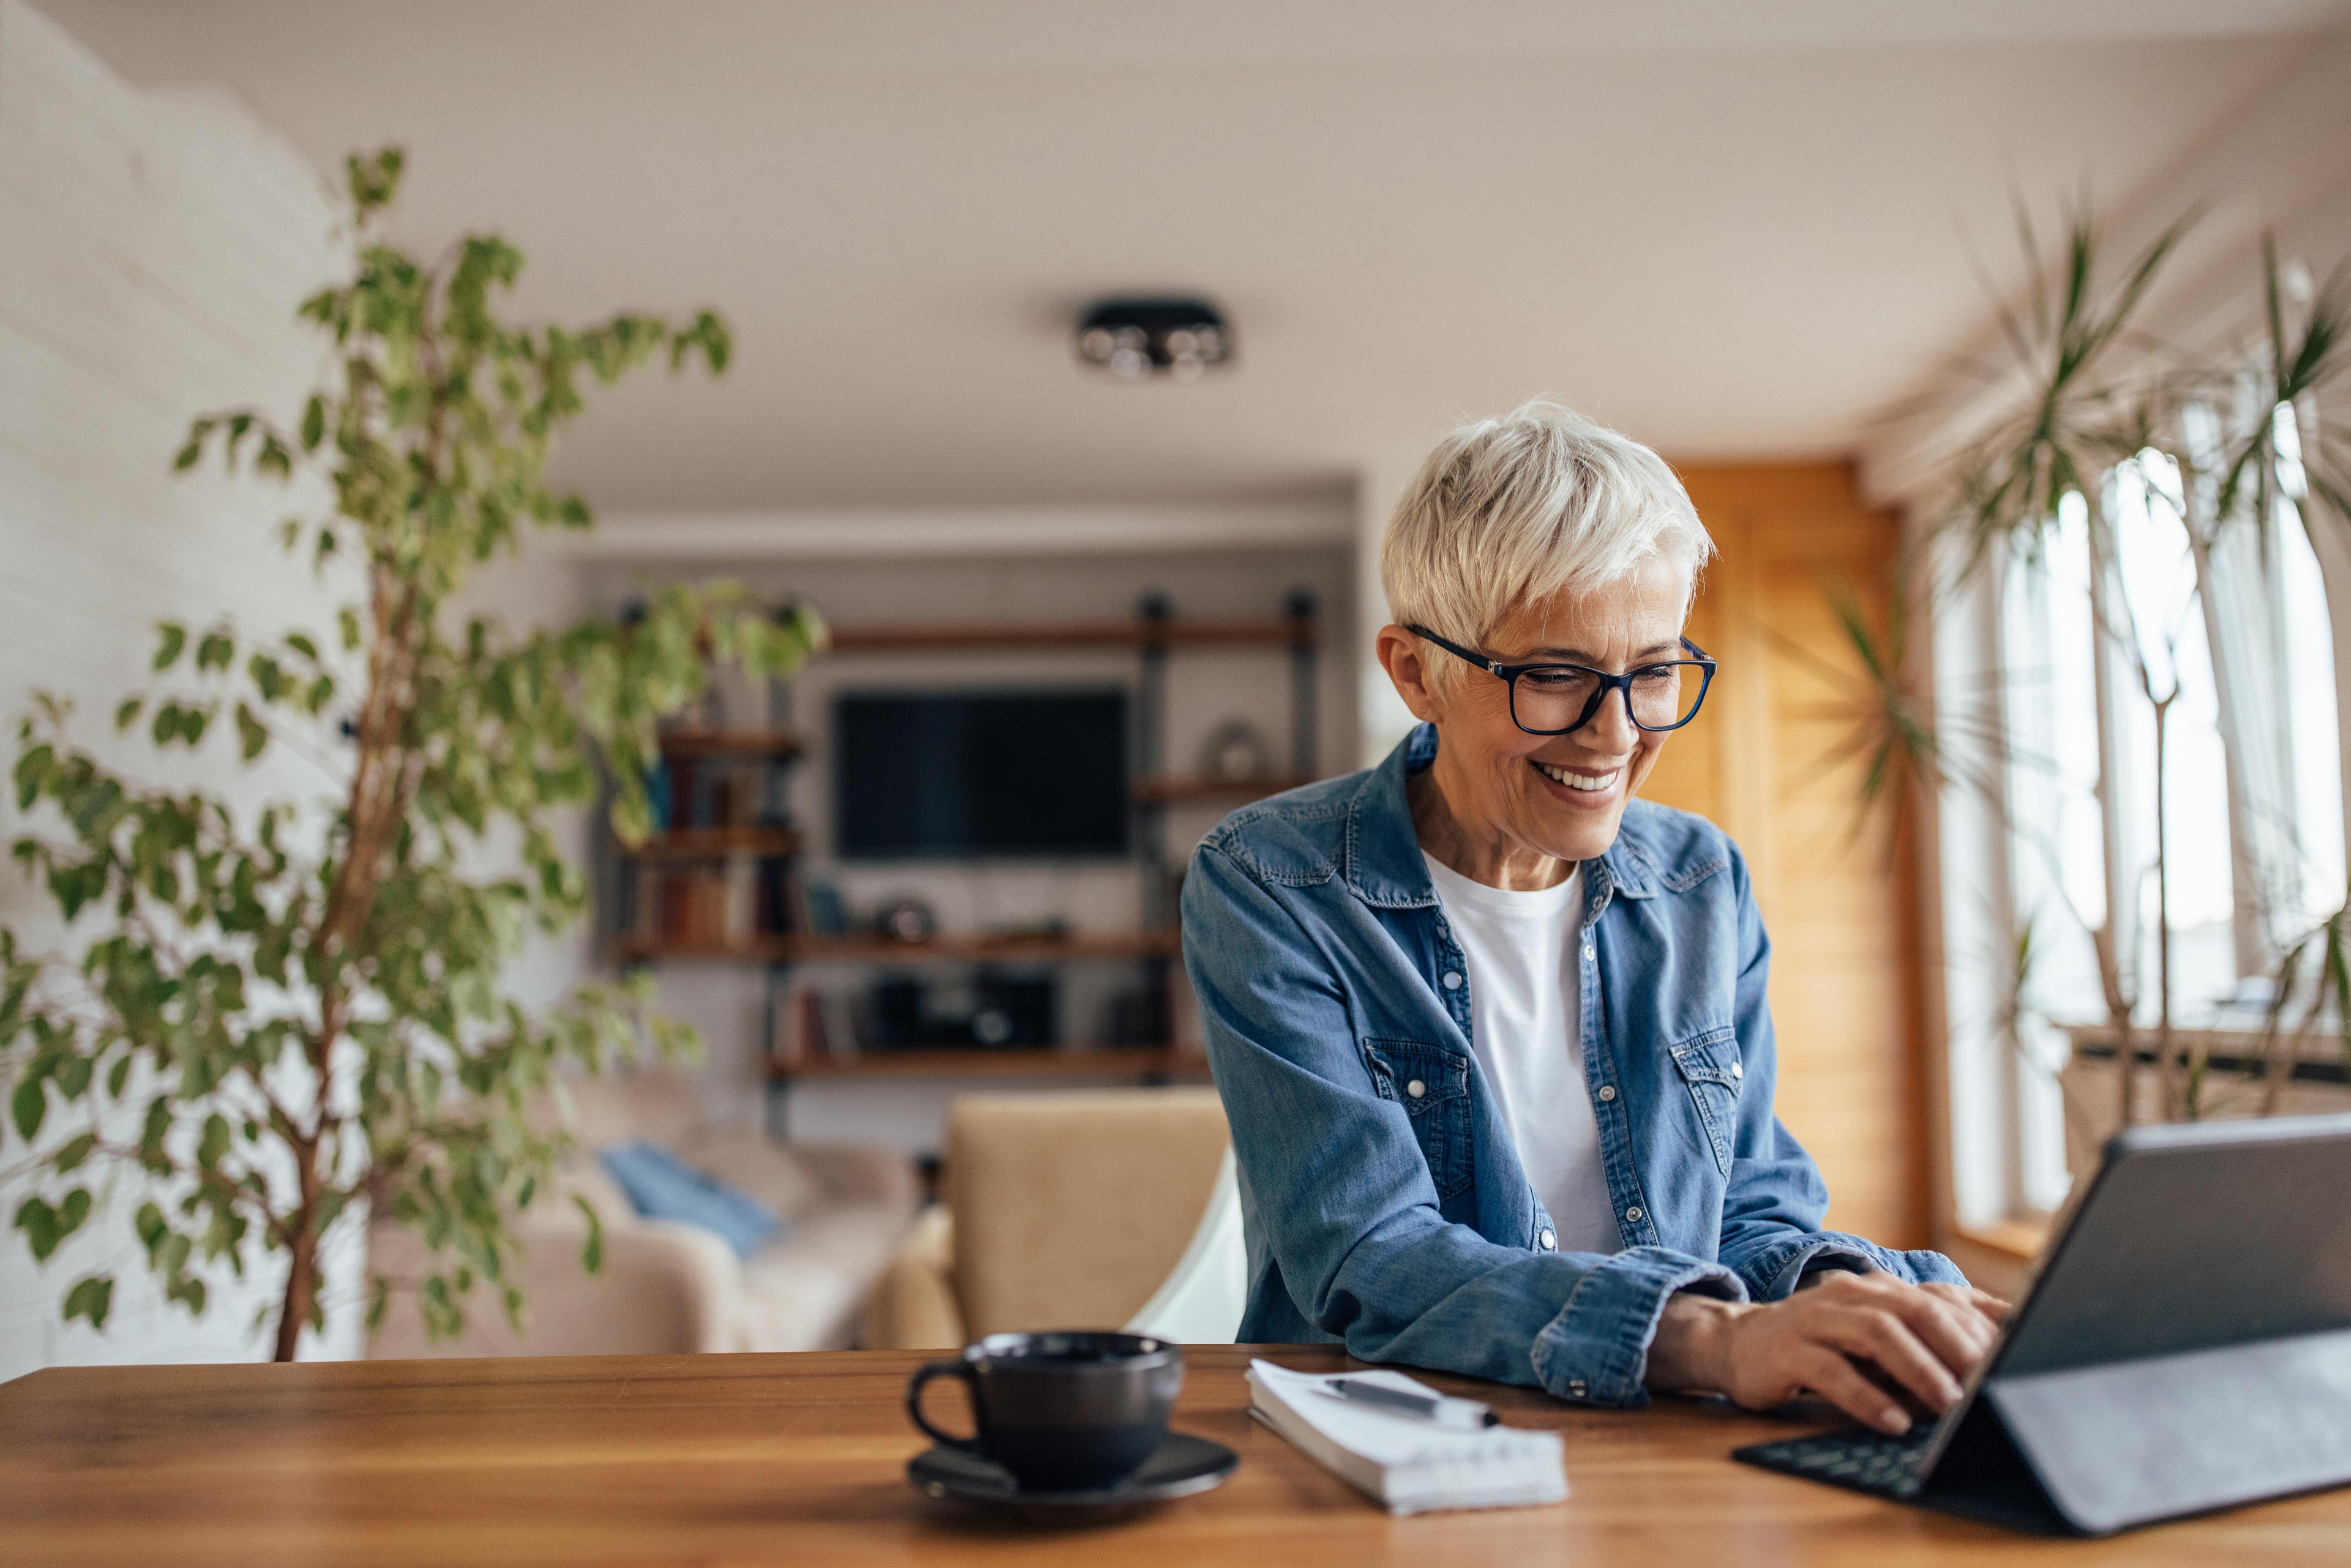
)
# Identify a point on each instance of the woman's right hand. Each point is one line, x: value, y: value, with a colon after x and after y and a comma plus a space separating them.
x: 1846, y: 1338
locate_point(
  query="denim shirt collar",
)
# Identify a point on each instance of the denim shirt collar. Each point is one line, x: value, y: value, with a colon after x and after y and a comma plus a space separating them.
x: 1382, y: 859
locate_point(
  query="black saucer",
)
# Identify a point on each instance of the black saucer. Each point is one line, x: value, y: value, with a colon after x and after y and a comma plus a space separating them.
x: 1178, y: 1468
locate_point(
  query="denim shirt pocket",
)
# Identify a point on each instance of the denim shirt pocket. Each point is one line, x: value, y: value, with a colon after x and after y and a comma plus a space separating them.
x: 1432, y: 1084
x: 1710, y: 1071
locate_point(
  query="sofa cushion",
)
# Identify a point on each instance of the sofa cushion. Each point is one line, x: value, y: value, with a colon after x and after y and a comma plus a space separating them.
x: 656, y: 1105
x: 583, y: 1177
x: 746, y: 1158
x: 805, y: 1291
x: 661, y: 1185
x: 913, y: 1306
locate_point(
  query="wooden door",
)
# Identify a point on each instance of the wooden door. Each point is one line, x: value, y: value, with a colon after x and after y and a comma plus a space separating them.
x: 1838, y: 895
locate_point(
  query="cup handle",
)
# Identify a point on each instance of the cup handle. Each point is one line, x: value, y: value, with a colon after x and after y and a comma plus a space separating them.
x: 957, y: 1369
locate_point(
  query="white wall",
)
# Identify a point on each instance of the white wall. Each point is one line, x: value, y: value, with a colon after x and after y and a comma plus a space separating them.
x: 1381, y: 718
x: 152, y: 248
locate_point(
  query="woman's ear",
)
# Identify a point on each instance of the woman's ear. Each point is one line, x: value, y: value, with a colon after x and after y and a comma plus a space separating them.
x: 1402, y: 655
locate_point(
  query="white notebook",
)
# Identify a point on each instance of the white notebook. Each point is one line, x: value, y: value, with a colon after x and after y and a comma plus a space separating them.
x: 1408, y: 1466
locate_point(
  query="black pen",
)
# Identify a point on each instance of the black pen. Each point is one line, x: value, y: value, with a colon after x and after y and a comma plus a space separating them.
x: 1433, y: 1407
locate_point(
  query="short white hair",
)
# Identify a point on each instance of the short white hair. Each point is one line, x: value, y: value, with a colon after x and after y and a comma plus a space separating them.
x: 1508, y: 511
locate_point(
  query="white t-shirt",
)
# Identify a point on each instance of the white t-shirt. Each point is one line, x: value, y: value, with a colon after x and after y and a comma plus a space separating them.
x: 1524, y: 1025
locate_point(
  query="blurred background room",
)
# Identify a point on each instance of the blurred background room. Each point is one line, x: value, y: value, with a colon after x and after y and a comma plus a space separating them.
x: 986, y: 465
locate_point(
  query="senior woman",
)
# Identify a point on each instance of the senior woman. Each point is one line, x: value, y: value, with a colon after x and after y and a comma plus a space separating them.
x: 1491, y: 1033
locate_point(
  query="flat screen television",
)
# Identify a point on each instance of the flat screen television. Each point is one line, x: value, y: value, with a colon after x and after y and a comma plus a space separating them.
x: 1036, y: 774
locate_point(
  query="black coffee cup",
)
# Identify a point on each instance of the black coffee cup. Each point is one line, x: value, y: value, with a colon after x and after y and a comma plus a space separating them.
x: 1063, y: 1412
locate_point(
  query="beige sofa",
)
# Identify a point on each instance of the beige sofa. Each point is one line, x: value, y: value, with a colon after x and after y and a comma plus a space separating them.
x: 1064, y: 1209
x: 667, y: 1288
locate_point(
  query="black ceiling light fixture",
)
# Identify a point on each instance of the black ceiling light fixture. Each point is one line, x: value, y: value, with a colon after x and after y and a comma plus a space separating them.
x: 1136, y: 339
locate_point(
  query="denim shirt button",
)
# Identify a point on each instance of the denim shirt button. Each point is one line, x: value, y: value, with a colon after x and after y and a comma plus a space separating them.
x: 1590, y: 952
x: 1739, y: 1070
x: 1632, y: 1215
x: 1452, y: 980
x: 1547, y: 1241
x: 1607, y: 1093
x: 1576, y: 1389
x: 1415, y: 1089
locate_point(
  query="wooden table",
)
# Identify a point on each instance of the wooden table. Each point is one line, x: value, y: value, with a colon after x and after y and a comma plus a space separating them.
x: 800, y: 1459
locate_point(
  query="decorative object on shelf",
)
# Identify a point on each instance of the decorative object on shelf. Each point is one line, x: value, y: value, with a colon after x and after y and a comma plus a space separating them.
x: 1014, y: 1008
x: 907, y: 920
x: 823, y: 913
x: 898, y: 1012
x: 992, y: 1009
x: 1046, y: 928
x: 1234, y: 751
x: 1136, y: 339
x: 310, y: 1002
x: 1139, y: 1018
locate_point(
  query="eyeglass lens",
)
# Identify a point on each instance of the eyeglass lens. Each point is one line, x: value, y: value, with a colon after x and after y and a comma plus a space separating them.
x: 1553, y: 697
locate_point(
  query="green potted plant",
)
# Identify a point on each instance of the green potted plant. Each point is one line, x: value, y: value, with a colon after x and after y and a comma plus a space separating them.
x: 279, y: 1018
x: 2083, y: 393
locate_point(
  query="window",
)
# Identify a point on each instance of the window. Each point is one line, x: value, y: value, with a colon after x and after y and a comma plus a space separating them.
x: 2056, y: 882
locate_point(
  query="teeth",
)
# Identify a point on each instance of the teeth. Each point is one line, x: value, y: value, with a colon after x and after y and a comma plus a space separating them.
x: 1591, y: 782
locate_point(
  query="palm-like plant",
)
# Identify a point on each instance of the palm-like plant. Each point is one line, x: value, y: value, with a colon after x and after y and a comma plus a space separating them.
x: 2081, y: 392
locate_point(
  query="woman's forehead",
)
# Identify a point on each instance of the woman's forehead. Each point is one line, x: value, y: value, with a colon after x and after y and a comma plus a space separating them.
x: 1638, y: 614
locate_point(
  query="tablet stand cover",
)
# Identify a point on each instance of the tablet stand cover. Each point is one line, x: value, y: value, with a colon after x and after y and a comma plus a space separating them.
x: 2130, y: 1442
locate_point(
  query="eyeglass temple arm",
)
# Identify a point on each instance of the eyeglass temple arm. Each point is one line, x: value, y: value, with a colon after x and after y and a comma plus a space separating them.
x: 1458, y: 652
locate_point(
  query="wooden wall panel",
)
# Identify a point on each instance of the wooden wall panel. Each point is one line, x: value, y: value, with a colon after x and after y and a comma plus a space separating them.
x: 1840, y: 904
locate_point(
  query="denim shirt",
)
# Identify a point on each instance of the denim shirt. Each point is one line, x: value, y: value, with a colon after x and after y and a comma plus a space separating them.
x: 1382, y: 1197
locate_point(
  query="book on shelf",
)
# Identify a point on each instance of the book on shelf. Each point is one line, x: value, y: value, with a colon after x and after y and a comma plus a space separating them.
x: 798, y: 1019
x: 740, y: 911
x: 719, y: 791
x: 821, y: 909
x: 812, y: 1024
x: 839, y: 1024
x: 723, y: 901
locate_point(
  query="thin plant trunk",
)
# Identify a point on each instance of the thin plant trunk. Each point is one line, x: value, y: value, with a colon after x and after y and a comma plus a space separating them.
x: 2118, y: 969
x: 301, y: 1297
x: 2284, y: 1055
x: 2174, y: 1100
x: 2120, y: 1008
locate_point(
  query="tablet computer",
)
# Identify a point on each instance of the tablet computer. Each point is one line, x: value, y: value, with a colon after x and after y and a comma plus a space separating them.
x: 2183, y: 1346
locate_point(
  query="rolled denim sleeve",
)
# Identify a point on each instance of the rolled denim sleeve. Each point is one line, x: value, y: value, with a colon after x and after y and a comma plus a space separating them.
x: 1337, y: 1184
x: 1775, y: 1200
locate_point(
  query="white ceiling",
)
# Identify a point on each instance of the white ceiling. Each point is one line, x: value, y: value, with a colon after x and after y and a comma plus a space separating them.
x: 1733, y: 229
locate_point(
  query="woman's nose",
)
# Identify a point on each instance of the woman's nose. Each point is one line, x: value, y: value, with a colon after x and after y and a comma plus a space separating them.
x: 1612, y: 728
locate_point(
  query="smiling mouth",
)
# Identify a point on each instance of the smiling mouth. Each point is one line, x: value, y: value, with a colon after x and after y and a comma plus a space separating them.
x: 1590, y: 783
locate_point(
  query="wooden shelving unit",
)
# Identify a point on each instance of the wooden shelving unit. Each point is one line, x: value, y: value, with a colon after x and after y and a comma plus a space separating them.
x: 1012, y: 1061
x: 1189, y: 791
x: 1153, y: 635
x: 1284, y: 631
x: 774, y: 745
x: 812, y: 949
x: 706, y: 842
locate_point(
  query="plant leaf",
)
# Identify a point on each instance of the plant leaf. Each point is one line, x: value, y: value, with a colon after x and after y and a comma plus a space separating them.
x: 591, y: 1252
x: 26, y: 1106
x: 91, y: 1297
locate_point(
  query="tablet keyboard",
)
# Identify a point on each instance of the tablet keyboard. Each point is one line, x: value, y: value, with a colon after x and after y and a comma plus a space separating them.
x: 1854, y: 1456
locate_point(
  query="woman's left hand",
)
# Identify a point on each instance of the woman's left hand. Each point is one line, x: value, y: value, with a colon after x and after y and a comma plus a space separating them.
x: 1845, y: 1337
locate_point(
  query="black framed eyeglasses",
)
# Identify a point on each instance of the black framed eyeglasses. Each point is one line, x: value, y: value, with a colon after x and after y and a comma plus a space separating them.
x: 1559, y: 699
